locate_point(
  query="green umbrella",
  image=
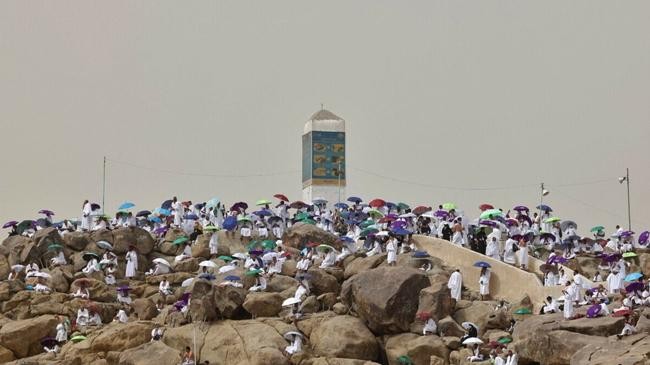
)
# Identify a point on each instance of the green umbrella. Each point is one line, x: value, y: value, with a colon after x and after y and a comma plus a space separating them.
x: 629, y: 254
x: 253, y: 245
x: 263, y: 202
x: 504, y: 340
x: 552, y: 220
x: 490, y: 213
x: 253, y: 272
x: 375, y: 213
x: 597, y: 229
x: 225, y: 258
x: 210, y: 228
x: 523, y: 311
x: 309, y: 221
x: 365, y: 224
x: 243, y: 219
x: 77, y: 338
x: 268, y: 244
x: 180, y: 240
x: 54, y: 247
x: 301, y: 216
x: 405, y: 360
x: 325, y: 247
x: 368, y: 231
x: 403, y: 206
x: 449, y: 206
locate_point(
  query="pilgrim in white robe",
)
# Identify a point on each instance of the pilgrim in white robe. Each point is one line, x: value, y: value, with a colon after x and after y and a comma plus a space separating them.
x: 484, y: 283
x: 391, y: 249
x: 455, y: 284
x: 131, y: 264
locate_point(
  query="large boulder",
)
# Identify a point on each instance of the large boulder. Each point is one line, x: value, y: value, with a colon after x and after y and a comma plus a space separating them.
x: 76, y: 240
x: 344, y: 336
x: 45, y: 237
x: 200, y: 247
x: 202, y: 305
x: 280, y: 283
x: 385, y: 298
x: 144, y: 308
x: 5, y: 268
x: 601, y: 326
x: 418, y: 348
x: 187, y: 265
x: 263, y: 304
x: 483, y: 315
x: 121, y: 336
x: 302, y: 233
x: 321, y: 282
x: 436, y: 299
x: 124, y: 237
x: 362, y: 264
x: 554, y: 347
x: 229, y: 301
x: 334, y: 361
x: 151, y: 353
x: 23, y: 337
x: 630, y: 350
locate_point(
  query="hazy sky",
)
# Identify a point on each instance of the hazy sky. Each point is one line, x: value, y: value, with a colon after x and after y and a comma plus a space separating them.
x: 436, y: 94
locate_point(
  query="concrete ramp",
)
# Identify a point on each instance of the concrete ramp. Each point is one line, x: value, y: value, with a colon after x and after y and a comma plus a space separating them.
x: 506, y: 281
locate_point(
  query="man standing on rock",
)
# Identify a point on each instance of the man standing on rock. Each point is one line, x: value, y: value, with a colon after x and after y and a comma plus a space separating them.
x: 455, y: 284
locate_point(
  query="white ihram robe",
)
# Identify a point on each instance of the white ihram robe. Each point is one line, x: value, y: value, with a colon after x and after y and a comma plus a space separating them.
x: 455, y: 284
x: 131, y: 264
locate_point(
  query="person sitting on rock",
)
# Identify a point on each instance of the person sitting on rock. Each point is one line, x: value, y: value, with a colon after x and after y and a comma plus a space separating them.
x: 275, y: 266
x: 41, y: 287
x: 430, y: 327
x: 187, y: 357
x: 295, y: 346
x: 245, y: 232
x: 303, y: 264
x: 329, y: 260
x: 123, y: 297
x: 109, y: 274
x: 157, y: 334
x: 82, y: 317
x: 186, y: 254
x: 95, y: 319
x: 61, y: 330
x: 550, y: 306
x: 476, y: 354
x: 229, y: 267
x: 82, y: 291
x: 59, y: 259
x: 121, y: 316
x: 512, y: 358
x: 628, y: 329
x: 260, y: 283
x: 164, y: 288
x: 91, y: 267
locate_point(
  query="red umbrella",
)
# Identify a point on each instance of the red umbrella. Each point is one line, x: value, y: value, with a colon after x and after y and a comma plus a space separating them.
x: 298, y: 205
x: 484, y: 207
x: 421, y: 210
x: 386, y: 219
x: 621, y: 313
x: 281, y: 197
x: 377, y: 203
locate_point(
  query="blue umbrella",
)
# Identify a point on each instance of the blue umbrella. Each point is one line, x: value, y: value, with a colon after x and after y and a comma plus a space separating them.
x: 126, y: 205
x: 165, y: 212
x: 212, y: 203
x: 232, y: 278
x: 420, y: 254
x: 263, y: 213
x: 346, y: 239
x: 155, y: 219
x: 481, y: 264
x: 401, y: 231
x: 230, y: 223
x: 341, y: 206
x: 199, y: 205
x: 355, y: 199
x: 544, y: 207
x: 191, y: 216
x: 633, y: 276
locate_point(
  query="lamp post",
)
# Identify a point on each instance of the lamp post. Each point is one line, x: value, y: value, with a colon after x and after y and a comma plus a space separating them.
x: 626, y: 179
x: 542, y: 194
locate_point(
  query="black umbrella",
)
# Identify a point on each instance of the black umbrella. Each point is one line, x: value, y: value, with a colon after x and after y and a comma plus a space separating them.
x: 167, y: 204
x: 566, y: 224
x: 143, y: 213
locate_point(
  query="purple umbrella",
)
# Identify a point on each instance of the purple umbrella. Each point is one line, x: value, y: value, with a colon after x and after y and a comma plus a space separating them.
x: 10, y: 224
x: 160, y: 230
x: 626, y: 233
x: 643, y: 237
x: 255, y: 252
x: 612, y: 258
x: 521, y: 208
x: 517, y: 237
x: 441, y: 214
x: 398, y: 224
x: 556, y: 260
x: 593, y: 311
x: 488, y: 223
x: 544, y: 207
x: 523, y: 217
x: 634, y: 287
x: 46, y: 212
x: 167, y: 204
x: 124, y: 288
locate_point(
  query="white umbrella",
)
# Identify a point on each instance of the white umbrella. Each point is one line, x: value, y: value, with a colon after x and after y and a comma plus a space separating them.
x: 187, y: 282
x: 268, y: 257
x: 407, y: 215
x: 106, y: 262
x: 162, y: 261
x: 382, y: 233
x: 289, y: 335
x: 104, y: 244
x: 472, y: 341
x: 428, y: 214
x: 290, y: 302
x: 41, y: 274
x: 467, y: 325
x: 240, y: 256
x: 18, y: 267
x: 226, y: 268
x: 207, y: 263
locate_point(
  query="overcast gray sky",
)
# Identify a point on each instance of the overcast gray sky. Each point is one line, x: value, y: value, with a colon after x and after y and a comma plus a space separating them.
x: 436, y: 94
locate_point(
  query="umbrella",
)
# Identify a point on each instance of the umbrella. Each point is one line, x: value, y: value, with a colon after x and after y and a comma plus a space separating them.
x: 319, y: 201
x: 488, y: 223
x: 226, y: 258
x: 207, y: 263
x: 449, y: 206
x: 10, y: 224
x: 401, y: 206
x: 634, y: 286
x: 95, y: 206
x: 25, y: 225
x: 504, y: 340
x: 187, y: 282
x: 547, y: 236
x: 104, y: 244
x: 593, y: 311
x: 199, y: 205
x: 512, y: 222
x: 481, y: 264
x: 467, y: 325
x: 472, y: 341
x: 520, y: 208
x: 552, y: 220
x: 230, y: 223
x: 263, y: 213
x: 254, y: 272
x: 374, y: 213
x: 77, y: 338
x: 423, y: 316
x: 255, y: 252
x: 298, y: 205
x: 162, y: 261
x: 291, y: 301
x: 155, y: 219
x: 289, y: 335
x: 566, y: 224
x: 41, y: 274
x: 419, y: 210
x: 629, y: 255
x: 420, y: 254
x: 232, y: 278
x: 405, y: 360
x: 622, y: 312
x: 191, y: 216
x: 643, y: 237
x: 633, y: 276
x: 180, y: 240
x: 167, y: 204
x: 160, y: 230
x: 368, y: 231
x: 89, y: 256
x: 212, y: 203
x: 341, y: 206
x: 49, y: 341
x: 441, y: 214
x: 354, y: 199
x: 491, y: 213
x: 325, y: 247
x: 377, y: 203
x: 544, y: 207
x: 483, y: 207
x: 239, y: 206
x: 401, y: 231
x: 626, y: 233
x: 124, y: 288
x: 243, y: 218
x: 597, y: 229
x: 126, y: 205
x: 263, y: 202
x: 281, y: 197
x: 407, y: 215
x: 523, y: 311
x: 143, y: 213
x: 46, y: 212
x: 269, y: 244
x: 17, y: 267
x: 54, y: 247
x: 164, y: 212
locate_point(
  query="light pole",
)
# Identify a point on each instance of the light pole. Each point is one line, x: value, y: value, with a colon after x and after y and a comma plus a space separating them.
x: 542, y: 194
x: 626, y: 179
x: 339, y: 176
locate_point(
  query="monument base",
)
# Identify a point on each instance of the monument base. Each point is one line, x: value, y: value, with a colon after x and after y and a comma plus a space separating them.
x: 327, y: 192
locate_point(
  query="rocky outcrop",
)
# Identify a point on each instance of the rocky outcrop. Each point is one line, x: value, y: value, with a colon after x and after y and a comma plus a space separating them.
x: 436, y: 299
x: 385, y: 298
x: 301, y: 233
x: 151, y: 353
x: 23, y: 337
x: 419, y: 348
x: 344, y: 336
x: 263, y: 304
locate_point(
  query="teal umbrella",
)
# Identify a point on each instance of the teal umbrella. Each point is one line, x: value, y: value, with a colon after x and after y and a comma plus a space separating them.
x: 181, y: 240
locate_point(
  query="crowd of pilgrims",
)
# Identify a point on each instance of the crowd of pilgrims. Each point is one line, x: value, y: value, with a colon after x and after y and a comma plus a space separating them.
x: 373, y: 228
